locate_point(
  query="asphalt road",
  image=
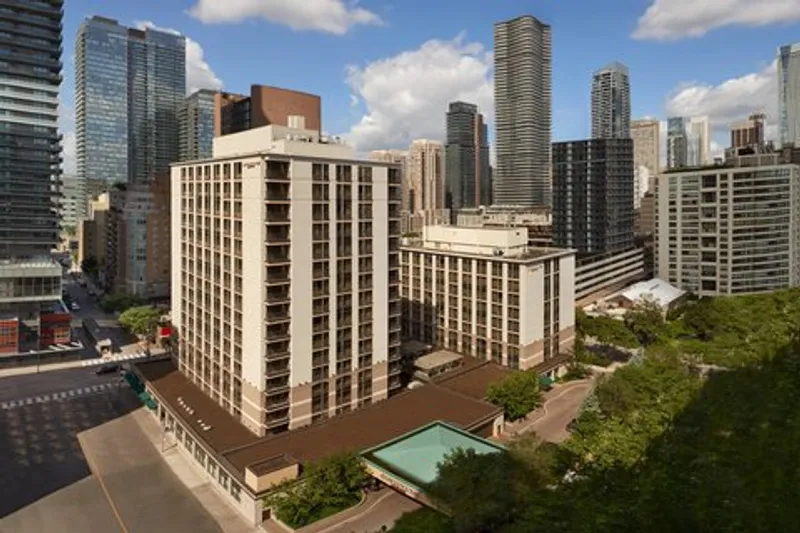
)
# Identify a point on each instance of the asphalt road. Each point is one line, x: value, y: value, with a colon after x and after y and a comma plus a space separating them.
x: 90, y: 308
x: 559, y: 410
x: 40, y: 449
x: 33, y: 385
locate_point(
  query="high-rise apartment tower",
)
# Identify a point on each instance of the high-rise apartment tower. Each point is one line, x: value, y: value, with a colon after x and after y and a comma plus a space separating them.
x: 593, y: 191
x: 789, y: 93
x: 611, y: 102
x: 467, y: 179
x: 523, y: 115
x: 129, y: 86
x: 196, y: 126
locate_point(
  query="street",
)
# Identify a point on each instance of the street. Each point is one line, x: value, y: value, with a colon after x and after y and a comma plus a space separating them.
x: 90, y: 308
x: 550, y: 421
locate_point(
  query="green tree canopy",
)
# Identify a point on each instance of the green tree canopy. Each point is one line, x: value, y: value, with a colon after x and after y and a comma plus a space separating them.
x: 517, y: 395
x: 90, y: 266
x: 140, y: 321
x: 328, y: 486
x: 646, y: 321
x: 119, y: 301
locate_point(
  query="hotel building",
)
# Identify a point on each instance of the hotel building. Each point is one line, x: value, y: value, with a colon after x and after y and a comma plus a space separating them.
x: 486, y: 293
x: 285, y: 276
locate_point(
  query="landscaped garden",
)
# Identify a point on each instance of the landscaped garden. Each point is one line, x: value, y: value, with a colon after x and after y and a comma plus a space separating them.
x: 659, y: 446
x: 327, y: 487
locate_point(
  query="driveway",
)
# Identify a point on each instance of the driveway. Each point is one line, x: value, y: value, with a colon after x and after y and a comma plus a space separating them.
x: 381, y: 508
x: 561, y: 405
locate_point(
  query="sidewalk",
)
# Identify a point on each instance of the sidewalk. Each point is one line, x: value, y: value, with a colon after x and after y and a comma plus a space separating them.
x: 227, y: 518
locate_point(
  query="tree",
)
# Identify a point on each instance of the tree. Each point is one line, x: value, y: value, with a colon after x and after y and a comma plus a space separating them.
x: 119, y: 301
x: 423, y: 520
x: 328, y: 486
x: 518, y: 394
x: 477, y: 489
x: 646, y: 321
x: 141, y: 321
x: 90, y: 266
x: 69, y: 230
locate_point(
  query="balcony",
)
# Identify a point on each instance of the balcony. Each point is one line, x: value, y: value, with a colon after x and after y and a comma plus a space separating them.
x: 277, y: 215
x: 277, y: 170
x: 277, y: 351
x: 277, y: 385
x: 277, y: 193
x: 277, y: 295
x: 277, y: 235
x: 277, y: 275
x: 277, y: 254
x: 278, y: 369
x: 278, y: 317
x: 277, y: 333
x: 276, y: 402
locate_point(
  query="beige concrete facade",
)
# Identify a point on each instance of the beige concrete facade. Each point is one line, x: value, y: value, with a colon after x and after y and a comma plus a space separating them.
x: 92, y: 233
x: 486, y: 293
x: 138, y: 243
x: 646, y: 135
x: 425, y: 179
x: 285, y: 280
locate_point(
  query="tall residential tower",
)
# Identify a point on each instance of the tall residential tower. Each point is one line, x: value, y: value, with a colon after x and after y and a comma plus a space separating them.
x: 523, y: 116
x: 467, y: 180
x: 196, y: 126
x: 611, y: 102
x: 129, y: 86
x: 789, y: 93
x: 31, y: 316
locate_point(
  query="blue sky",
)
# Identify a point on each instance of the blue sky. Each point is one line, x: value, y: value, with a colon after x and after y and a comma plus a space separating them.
x: 386, y: 68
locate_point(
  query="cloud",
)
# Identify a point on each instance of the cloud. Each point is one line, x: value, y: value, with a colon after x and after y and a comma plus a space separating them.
x: 730, y: 101
x: 199, y: 74
x: 668, y: 20
x: 406, y: 96
x: 329, y: 16
x: 66, y: 126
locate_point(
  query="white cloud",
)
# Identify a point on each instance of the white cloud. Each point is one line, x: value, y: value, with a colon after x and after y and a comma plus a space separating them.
x: 66, y: 126
x: 330, y: 16
x: 730, y: 101
x: 406, y: 96
x: 675, y: 19
x: 198, y: 72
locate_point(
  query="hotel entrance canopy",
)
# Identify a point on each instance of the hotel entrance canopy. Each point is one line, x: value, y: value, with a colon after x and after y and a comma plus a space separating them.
x: 410, y: 462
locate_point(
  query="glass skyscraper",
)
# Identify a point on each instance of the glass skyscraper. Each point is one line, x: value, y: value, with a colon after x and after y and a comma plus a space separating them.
x: 611, y: 102
x: 467, y: 180
x: 129, y: 86
x: 196, y: 123
x: 30, y: 148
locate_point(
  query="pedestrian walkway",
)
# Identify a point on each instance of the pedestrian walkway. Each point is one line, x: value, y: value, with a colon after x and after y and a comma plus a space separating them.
x: 57, y: 396
x: 114, y: 359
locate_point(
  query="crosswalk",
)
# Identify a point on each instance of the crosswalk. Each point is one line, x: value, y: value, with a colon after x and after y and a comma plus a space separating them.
x: 113, y: 359
x: 57, y: 396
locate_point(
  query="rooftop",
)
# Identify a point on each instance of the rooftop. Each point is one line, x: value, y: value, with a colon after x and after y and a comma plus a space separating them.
x: 659, y: 290
x: 473, y: 379
x: 414, y: 457
x: 436, y: 359
x: 355, y: 431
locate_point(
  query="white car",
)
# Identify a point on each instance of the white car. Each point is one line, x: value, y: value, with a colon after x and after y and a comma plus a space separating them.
x: 75, y: 307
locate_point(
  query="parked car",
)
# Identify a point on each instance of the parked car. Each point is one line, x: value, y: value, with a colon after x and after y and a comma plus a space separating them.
x: 108, y: 369
x: 74, y: 306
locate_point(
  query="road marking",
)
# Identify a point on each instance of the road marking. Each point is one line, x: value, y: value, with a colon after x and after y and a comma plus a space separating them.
x: 57, y: 396
x: 93, y: 470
